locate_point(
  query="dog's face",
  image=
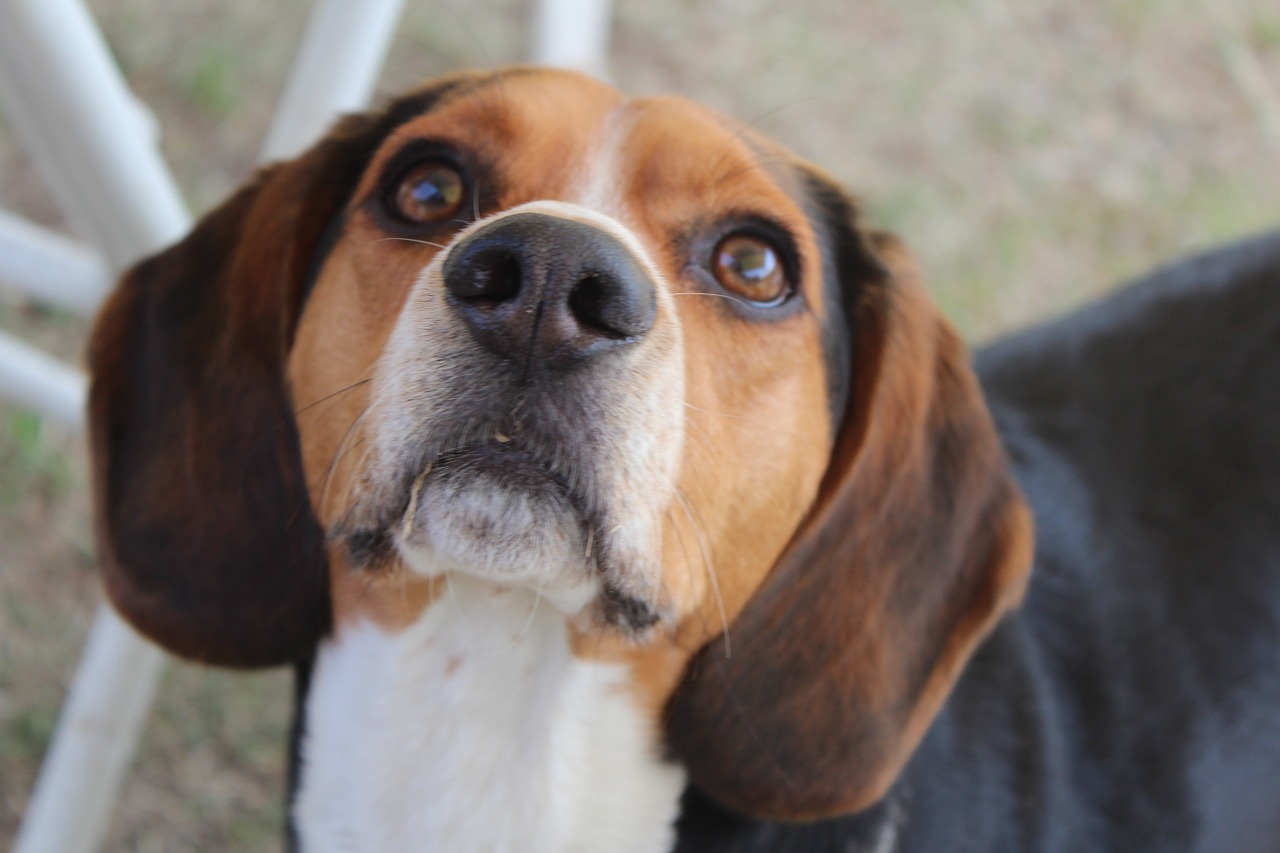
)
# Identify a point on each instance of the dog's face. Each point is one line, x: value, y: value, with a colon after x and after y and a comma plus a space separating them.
x: 595, y: 369
x: 621, y: 352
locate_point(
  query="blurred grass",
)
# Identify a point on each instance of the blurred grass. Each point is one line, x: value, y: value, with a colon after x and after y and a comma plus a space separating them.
x: 1033, y: 153
x: 32, y: 466
x: 212, y: 84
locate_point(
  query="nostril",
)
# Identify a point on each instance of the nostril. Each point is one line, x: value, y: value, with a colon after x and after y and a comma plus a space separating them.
x: 492, y: 276
x: 589, y: 303
x: 602, y: 304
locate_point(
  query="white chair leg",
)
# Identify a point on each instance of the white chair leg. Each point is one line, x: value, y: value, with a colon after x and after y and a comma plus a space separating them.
x: 94, y: 147
x: 573, y: 34
x: 35, y: 380
x: 98, y: 730
x: 335, y: 71
x: 89, y: 138
x: 49, y: 267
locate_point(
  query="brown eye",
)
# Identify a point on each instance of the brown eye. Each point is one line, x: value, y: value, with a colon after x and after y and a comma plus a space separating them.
x: 749, y: 267
x: 429, y: 193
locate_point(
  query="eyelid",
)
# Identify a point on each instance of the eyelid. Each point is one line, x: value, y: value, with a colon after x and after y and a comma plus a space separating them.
x: 777, y: 234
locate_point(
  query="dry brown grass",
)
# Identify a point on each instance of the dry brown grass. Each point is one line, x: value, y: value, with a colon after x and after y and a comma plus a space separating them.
x: 1033, y: 153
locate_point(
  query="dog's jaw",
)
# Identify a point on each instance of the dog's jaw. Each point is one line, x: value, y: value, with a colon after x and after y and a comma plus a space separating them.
x: 493, y: 512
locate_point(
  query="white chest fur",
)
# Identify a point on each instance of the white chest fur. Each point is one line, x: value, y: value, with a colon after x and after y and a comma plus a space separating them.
x: 477, y: 730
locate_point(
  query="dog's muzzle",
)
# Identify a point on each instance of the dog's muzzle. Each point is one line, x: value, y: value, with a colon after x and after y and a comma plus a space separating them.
x: 526, y: 421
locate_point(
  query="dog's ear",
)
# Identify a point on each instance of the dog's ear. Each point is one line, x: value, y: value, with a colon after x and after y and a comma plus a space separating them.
x: 206, y: 536
x: 915, y: 546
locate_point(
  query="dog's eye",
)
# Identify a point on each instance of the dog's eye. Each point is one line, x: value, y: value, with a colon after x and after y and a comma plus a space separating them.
x: 429, y: 193
x: 749, y: 267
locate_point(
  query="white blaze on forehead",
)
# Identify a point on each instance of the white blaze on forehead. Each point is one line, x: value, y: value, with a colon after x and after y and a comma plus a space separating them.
x: 599, y: 184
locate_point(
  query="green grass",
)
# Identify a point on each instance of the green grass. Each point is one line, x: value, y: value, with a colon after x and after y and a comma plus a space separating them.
x: 27, y: 733
x: 213, y: 83
x: 32, y: 467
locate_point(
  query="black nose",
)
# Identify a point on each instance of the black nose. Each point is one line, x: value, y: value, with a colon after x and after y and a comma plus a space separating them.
x: 548, y: 291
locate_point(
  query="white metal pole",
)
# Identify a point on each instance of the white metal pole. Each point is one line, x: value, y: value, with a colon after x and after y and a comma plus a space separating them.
x: 49, y: 267
x: 335, y: 71
x: 115, y: 683
x: 36, y: 380
x: 90, y: 139
x: 573, y: 34
x: 107, y: 705
x: 93, y: 146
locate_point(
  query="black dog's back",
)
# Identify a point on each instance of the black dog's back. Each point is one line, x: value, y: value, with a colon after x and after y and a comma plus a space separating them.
x: 1164, y: 400
x: 1133, y: 703
x: 1145, y: 430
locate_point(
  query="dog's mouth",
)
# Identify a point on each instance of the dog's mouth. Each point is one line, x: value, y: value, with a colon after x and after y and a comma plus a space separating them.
x: 492, y: 492
x: 510, y: 464
x: 511, y: 511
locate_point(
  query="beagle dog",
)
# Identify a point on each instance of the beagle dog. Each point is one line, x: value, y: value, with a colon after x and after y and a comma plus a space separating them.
x: 613, y: 488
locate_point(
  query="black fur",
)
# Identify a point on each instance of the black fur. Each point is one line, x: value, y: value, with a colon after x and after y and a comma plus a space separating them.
x: 848, y: 264
x: 297, y: 731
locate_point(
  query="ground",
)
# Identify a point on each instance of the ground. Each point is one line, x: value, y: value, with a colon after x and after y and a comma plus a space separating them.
x: 1034, y: 154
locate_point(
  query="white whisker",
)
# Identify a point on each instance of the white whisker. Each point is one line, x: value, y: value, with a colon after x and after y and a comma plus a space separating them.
x: 689, y: 405
x: 410, y: 240
x: 343, y: 447
x: 742, y: 302
x: 711, y: 571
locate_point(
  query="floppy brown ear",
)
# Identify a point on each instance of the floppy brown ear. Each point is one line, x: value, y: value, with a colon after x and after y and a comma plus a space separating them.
x: 206, y: 537
x: 917, y: 543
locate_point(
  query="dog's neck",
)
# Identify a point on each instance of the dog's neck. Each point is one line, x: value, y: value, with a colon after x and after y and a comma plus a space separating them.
x: 476, y: 729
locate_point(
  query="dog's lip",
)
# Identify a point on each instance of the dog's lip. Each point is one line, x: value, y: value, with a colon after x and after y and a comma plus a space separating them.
x: 498, y: 456
x: 508, y: 461
x: 503, y: 458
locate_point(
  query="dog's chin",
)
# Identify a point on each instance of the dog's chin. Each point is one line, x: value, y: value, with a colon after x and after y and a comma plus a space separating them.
x: 498, y: 513
x: 501, y: 517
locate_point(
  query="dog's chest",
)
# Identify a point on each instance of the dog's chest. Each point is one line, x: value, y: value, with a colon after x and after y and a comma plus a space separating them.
x: 476, y: 729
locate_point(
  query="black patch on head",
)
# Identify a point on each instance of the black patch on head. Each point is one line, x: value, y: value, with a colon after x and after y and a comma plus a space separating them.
x: 849, y: 267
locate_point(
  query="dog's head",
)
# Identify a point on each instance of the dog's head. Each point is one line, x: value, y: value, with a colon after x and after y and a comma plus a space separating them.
x: 619, y: 351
